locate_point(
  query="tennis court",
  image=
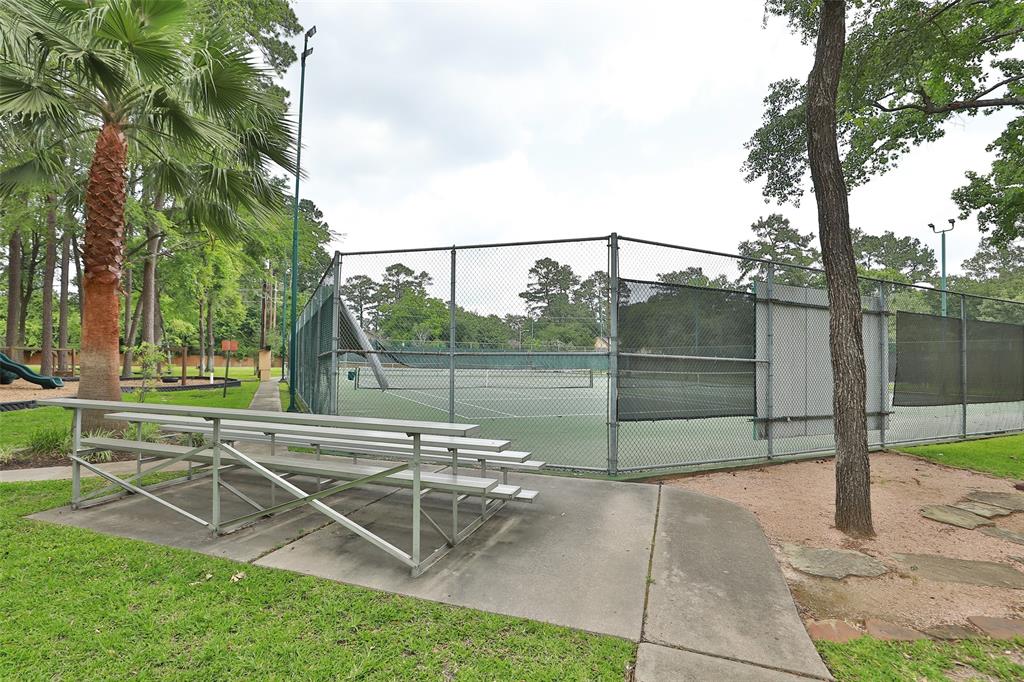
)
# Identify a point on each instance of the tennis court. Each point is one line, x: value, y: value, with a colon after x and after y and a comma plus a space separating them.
x: 717, y: 359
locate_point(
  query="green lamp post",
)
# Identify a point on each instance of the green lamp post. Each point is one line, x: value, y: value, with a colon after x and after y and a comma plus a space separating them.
x: 306, y: 51
x: 942, y: 280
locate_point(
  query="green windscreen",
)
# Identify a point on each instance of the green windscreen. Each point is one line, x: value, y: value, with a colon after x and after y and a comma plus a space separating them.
x: 684, y: 352
x: 930, y: 359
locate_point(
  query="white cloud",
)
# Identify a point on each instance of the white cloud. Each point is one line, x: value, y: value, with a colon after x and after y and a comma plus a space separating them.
x: 430, y: 124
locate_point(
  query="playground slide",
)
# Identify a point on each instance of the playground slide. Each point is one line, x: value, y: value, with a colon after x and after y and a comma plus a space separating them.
x: 9, y: 369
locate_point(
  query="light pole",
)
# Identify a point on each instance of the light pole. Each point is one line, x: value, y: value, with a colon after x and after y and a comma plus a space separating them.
x: 942, y: 280
x: 306, y: 51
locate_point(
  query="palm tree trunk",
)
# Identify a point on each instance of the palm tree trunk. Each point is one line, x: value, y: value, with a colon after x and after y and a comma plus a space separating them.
x: 49, y: 265
x: 846, y: 342
x: 13, y: 297
x: 62, y: 323
x: 103, y: 256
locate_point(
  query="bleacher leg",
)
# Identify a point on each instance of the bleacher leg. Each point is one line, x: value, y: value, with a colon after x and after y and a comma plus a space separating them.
x: 215, y: 516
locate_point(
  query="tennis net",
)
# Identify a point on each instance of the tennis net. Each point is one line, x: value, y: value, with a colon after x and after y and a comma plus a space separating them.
x: 430, y: 378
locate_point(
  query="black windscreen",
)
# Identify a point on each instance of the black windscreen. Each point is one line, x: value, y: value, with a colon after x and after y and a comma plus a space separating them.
x: 995, y: 362
x: 929, y: 361
x: 660, y: 322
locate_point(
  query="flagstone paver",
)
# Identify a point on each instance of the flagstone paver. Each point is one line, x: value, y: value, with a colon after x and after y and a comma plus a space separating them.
x: 943, y: 513
x: 945, y: 569
x: 989, y: 511
x: 1012, y: 501
x: 881, y: 629
x: 1004, y: 534
x: 832, y: 563
x: 998, y: 628
x: 951, y: 632
x: 832, y: 631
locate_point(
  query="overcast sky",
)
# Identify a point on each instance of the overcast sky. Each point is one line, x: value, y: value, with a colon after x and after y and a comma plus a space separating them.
x: 438, y: 123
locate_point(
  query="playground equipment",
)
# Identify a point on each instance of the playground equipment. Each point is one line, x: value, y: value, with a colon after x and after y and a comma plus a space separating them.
x: 11, y: 370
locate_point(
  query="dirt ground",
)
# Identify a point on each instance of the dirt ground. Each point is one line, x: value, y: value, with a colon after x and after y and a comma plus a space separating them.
x: 794, y: 503
x: 20, y: 389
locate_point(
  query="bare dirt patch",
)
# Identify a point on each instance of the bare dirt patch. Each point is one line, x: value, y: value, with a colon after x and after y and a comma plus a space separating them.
x: 794, y: 504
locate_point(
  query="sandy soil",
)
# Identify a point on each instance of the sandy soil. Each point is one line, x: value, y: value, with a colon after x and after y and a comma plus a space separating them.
x: 20, y: 389
x: 794, y: 503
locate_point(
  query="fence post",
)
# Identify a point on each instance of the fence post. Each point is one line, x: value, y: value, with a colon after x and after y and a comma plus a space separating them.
x: 335, y: 335
x: 613, y: 354
x: 451, y: 344
x: 963, y: 365
x: 883, y: 361
x: 315, y: 403
x: 769, y: 406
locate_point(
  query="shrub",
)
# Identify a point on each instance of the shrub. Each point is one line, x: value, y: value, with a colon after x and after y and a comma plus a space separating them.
x: 48, y: 440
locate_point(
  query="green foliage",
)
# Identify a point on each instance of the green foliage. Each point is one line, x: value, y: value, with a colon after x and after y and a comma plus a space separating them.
x: 776, y: 240
x: 998, y: 196
x: 909, y: 66
x: 886, y: 256
x: 148, y: 356
x: 48, y: 439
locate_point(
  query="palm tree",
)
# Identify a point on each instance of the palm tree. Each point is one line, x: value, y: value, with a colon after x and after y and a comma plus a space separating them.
x: 143, y: 80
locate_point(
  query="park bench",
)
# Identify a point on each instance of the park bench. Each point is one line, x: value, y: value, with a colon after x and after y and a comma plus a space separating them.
x: 412, y: 443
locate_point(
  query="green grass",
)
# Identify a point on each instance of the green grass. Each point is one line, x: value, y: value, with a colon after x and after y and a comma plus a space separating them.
x: 870, y: 660
x: 1003, y: 456
x: 79, y: 605
x: 17, y: 428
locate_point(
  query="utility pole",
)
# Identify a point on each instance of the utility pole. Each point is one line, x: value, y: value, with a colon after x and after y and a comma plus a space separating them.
x: 942, y: 281
x: 306, y: 51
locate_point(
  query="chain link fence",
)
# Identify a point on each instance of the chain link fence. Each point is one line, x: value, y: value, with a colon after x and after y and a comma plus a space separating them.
x: 622, y: 356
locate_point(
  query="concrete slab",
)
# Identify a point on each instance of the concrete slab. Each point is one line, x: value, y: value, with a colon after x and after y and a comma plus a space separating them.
x: 577, y: 556
x: 658, y: 663
x: 716, y: 587
x: 141, y: 519
x: 832, y: 563
x: 945, y: 569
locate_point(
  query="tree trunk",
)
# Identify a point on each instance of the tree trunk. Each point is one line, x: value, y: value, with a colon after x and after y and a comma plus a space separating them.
x: 209, y: 332
x: 263, y: 314
x: 202, y: 338
x: 28, y: 280
x: 62, y: 323
x: 149, y: 299
x: 131, y: 327
x: 76, y: 251
x: 103, y: 256
x: 13, y: 294
x: 49, y: 265
x: 853, y: 476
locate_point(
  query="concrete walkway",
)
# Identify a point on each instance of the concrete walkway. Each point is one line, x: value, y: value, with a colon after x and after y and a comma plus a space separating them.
x: 689, y: 577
